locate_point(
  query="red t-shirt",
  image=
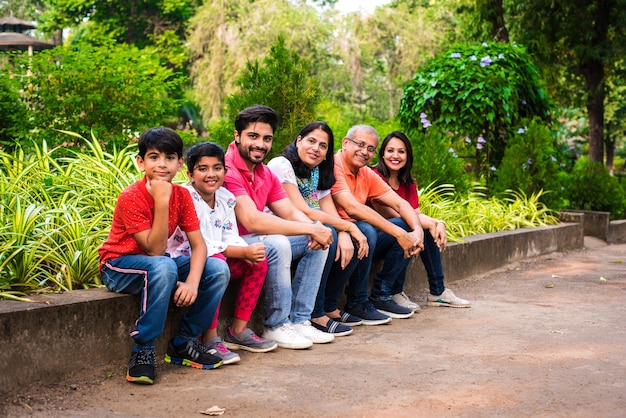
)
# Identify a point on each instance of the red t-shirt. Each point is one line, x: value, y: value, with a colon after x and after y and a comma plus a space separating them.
x: 407, y: 191
x: 263, y: 190
x: 134, y: 212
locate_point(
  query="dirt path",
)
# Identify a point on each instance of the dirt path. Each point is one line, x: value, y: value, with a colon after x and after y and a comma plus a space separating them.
x: 545, y: 337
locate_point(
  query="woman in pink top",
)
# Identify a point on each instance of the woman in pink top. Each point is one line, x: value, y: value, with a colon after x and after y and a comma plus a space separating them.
x: 395, y: 159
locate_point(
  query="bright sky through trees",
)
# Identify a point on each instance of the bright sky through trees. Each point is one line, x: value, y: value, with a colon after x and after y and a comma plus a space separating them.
x: 367, y: 6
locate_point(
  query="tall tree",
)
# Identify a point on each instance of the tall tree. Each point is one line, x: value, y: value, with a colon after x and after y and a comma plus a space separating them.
x: 225, y: 35
x: 585, y: 38
x: 382, y: 55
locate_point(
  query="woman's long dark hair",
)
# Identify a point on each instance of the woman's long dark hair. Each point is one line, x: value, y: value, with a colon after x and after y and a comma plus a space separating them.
x: 404, y: 174
x: 326, y: 167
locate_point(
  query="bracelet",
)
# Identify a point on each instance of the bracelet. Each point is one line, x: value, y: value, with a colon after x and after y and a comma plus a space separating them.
x: 347, y: 229
x: 437, y: 222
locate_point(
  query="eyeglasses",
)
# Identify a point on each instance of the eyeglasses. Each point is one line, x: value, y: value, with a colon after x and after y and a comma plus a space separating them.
x: 371, y: 149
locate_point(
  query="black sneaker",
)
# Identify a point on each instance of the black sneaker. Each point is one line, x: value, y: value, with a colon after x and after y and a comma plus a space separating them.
x: 368, y: 314
x: 193, y: 354
x: 141, y: 367
x: 391, y: 308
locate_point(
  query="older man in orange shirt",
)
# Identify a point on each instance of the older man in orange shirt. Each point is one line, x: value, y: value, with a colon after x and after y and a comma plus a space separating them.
x: 396, y: 240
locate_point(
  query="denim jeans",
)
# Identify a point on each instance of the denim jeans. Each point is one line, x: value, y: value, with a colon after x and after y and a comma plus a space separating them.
x: 154, y: 278
x: 288, y: 300
x: 394, y: 263
x: 431, y: 257
x: 356, y: 275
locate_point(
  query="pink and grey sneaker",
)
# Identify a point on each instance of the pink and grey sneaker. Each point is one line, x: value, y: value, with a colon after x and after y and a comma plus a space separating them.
x: 227, y: 356
x: 248, y: 340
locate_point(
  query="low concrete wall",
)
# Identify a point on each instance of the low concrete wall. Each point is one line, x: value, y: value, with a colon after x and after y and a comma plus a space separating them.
x: 617, y: 232
x: 596, y: 224
x: 46, y: 341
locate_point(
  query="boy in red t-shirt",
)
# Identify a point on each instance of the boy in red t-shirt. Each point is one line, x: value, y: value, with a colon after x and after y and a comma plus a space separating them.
x: 133, y: 260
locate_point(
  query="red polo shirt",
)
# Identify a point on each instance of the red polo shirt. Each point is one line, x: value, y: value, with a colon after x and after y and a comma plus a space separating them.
x: 264, y: 188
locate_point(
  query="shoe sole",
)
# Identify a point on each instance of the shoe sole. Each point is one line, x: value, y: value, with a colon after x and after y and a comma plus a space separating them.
x: 231, y: 360
x: 447, y: 305
x: 185, y: 362
x: 142, y: 380
x: 349, y: 324
x: 396, y: 315
x: 235, y: 346
x: 292, y: 346
x: 370, y: 322
x: 324, y: 341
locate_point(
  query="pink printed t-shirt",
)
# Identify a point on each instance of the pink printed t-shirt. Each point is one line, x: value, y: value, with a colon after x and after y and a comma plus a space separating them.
x: 263, y: 190
x: 364, y: 186
x: 407, y: 191
x: 134, y: 212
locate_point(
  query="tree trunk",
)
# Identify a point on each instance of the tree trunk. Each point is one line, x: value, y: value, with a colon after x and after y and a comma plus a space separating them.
x: 610, y: 154
x: 593, y: 72
x: 499, y: 32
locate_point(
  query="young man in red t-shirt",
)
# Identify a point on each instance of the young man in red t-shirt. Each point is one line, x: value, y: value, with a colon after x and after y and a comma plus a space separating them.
x: 133, y: 260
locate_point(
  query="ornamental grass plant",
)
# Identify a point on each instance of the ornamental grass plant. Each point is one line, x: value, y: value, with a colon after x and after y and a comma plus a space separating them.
x: 56, y: 209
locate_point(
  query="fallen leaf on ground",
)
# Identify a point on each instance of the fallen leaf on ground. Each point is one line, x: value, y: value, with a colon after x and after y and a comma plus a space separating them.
x: 602, y: 279
x: 554, y: 276
x: 616, y: 261
x: 549, y: 286
x: 214, y: 410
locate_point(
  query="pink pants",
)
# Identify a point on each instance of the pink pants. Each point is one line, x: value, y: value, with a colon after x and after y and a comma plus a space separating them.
x: 252, y: 277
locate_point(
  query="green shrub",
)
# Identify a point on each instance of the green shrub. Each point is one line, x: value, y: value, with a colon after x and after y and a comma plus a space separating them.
x: 531, y: 164
x: 592, y: 187
x: 105, y: 90
x: 13, y: 118
x: 436, y: 162
x: 476, y: 94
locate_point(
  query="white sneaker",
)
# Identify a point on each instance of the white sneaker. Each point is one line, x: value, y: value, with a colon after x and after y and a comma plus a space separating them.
x: 287, y: 337
x: 448, y: 298
x: 315, y: 335
x: 403, y: 300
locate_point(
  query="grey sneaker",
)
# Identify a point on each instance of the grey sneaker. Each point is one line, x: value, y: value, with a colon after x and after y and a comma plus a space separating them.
x: 448, y: 298
x: 403, y: 300
x: 248, y: 340
x: 228, y: 357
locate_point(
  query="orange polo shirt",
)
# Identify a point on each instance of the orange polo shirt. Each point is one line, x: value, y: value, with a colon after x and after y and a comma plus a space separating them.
x: 366, y: 185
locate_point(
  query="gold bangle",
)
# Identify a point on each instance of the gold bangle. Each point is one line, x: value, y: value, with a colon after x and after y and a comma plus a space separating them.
x: 437, y: 222
x: 347, y: 229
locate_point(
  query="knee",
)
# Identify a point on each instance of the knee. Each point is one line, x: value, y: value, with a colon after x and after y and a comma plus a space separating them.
x: 164, y: 266
x: 277, y: 247
x: 217, y: 269
x: 370, y: 233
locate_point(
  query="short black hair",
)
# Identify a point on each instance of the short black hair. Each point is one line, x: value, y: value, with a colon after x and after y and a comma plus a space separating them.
x: 203, y: 149
x: 161, y: 139
x: 326, y: 167
x: 404, y: 174
x: 256, y: 113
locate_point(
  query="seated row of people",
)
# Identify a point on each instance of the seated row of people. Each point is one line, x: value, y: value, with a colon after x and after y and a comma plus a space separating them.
x: 328, y: 215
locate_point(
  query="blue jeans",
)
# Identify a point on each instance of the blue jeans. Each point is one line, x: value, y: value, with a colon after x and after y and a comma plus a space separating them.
x: 288, y: 300
x: 356, y: 275
x: 394, y: 263
x: 431, y: 257
x: 154, y: 278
